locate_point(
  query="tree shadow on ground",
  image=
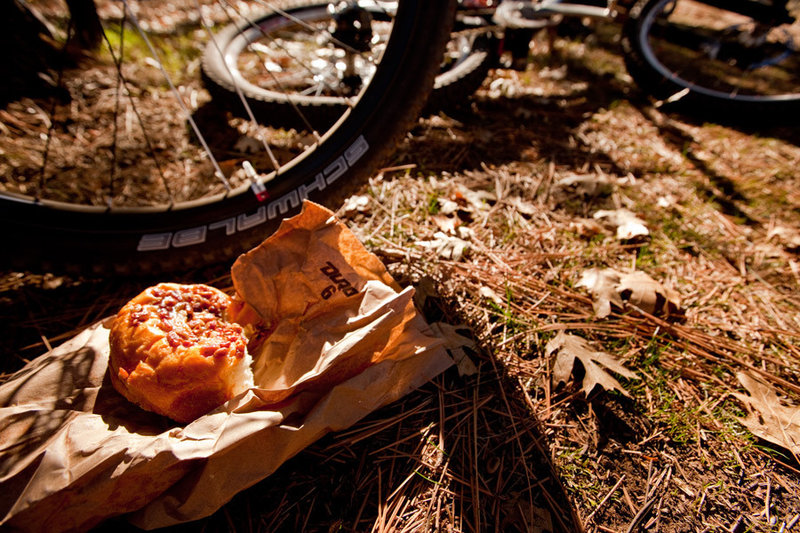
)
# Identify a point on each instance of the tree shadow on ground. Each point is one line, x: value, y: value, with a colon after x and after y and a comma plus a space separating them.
x: 720, y: 189
x: 504, y: 130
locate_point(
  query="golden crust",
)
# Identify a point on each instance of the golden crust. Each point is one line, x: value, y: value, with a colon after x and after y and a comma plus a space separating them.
x: 174, y: 353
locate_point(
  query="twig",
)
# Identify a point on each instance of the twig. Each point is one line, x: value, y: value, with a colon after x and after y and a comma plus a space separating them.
x: 651, y: 499
x: 767, y: 498
x: 702, y: 501
x: 736, y: 526
x: 475, y: 492
x: 604, y: 500
x: 641, y: 515
x: 628, y: 500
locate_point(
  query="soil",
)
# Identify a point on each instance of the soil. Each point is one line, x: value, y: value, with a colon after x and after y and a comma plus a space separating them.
x: 509, y: 448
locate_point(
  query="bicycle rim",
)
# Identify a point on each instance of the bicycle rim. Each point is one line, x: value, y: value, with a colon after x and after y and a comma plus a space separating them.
x: 258, y: 178
x: 321, y: 81
x: 297, y: 66
x: 719, y: 54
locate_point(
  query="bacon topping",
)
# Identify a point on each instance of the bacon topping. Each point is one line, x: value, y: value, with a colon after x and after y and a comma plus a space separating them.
x: 190, y: 316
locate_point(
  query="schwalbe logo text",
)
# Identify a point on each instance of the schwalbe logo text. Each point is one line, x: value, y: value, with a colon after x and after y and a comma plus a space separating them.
x: 245, y: 221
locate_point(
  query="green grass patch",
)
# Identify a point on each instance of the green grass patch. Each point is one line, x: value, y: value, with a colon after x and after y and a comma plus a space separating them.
x: 174, y: 51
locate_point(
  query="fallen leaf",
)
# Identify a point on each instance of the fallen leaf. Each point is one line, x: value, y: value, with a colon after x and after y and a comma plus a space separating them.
x: 446, y: 246
x: 666, y: 201
x: 465, y: 232
x: 602, y: 285
x: 647, y: 294
x: 627, y: 224
x: 447, y: 206
x: 768, y: 418
x: 426, y: 288
x: 522, y: 206
x: 570, y: 347
x: 573, y: 185
x: 475, y: 201
x: 607, y: 287
x: 789, y: 238
x: 489, y: 293
x: 446, y: 224
x: 455, y: 343
x: 586, y: 228
x: 51, y: 281
x: 356, y: 204
x: 248, y: 145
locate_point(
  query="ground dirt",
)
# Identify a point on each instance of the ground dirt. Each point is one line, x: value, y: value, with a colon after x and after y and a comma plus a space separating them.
x: 495, y: 212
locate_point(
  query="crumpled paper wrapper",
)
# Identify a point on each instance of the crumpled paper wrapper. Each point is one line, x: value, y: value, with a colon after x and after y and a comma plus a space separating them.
x: 346, y: 341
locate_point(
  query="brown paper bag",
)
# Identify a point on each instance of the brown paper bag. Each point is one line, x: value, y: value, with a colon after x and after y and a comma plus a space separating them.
x: 346, y: 341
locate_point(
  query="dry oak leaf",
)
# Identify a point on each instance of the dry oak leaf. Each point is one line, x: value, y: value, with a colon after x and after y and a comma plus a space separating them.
x: 647, y: 294
x: 607, y: 287
x: 570, y: 347
x: 446, y: 246
x: 789, y: 238
x: 602, y: 285
x: 446, y: 224
x: 573, y: 185
x: 767, y: 418
x: 586, y: 228
x: 455, y: 343
x: 628, y: 225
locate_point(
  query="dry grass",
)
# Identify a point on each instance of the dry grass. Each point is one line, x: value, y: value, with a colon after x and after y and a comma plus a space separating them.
x: 507, y: 449
x: 675, y: 455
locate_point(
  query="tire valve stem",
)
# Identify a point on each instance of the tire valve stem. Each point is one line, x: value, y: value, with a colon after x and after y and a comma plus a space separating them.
x: 256, y: 186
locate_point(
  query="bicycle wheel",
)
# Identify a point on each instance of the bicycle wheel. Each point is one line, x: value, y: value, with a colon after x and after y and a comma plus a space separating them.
x: 319, y: 77
x: 709, y: 56
x: 471, y: 53
x: 118, y: 229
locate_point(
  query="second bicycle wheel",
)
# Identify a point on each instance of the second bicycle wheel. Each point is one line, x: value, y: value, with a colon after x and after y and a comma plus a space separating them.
x: 318, y: 75
x: 738, y: 60
x: 49, y: 225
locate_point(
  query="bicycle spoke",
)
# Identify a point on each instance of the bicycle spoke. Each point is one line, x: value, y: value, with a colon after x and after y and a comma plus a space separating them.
x: 118, y: 64
x: 82, y: 186
x: 217, y: 170
x: 309, y: 27
x: 257, y: 47
x: 263, y: 51
x: 51, y: 126
x: 318, y: 83
x: 243, y: 100
x: 118, y: 60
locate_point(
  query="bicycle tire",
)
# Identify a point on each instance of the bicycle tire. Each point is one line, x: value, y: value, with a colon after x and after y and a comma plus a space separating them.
x: 49, y: 236
x: 453, y: 85
x: 690, y: 89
